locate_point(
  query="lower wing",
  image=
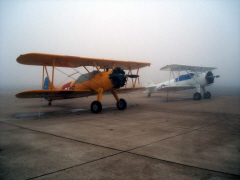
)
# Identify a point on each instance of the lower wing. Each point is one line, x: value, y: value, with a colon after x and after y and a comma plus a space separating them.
x: 54, y: 94
x: 175, y: 88
x: 127, y: 90
x: 65, y: 94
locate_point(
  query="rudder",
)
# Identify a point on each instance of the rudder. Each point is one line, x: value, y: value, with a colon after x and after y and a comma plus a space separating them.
x: 46, y: 83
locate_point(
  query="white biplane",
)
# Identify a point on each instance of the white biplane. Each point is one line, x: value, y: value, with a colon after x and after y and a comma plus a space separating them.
x: 194, y: 77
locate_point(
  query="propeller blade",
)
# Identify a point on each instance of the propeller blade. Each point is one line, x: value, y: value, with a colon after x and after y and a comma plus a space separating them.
x: 116, y: 75
x: 132, y: 76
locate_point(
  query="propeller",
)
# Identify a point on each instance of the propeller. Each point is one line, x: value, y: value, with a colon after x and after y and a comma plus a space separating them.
x: 119, y: 78
x: 210, y: 77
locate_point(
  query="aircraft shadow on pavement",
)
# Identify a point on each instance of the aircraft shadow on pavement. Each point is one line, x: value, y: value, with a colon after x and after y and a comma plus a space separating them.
x: 67, y: 111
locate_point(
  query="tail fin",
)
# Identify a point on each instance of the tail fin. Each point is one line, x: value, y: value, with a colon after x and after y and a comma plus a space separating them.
x: 149, y: 83
x: 46, y: 83
x: 149, y: 87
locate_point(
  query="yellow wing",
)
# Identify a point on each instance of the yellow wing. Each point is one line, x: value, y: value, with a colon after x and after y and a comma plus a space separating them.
x: 66, y: 94
x: 73, y: 61
x: 54, y: 94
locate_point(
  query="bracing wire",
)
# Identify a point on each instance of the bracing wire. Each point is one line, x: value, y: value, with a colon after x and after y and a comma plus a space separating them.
x: 40, y: 108
x: 65, y: 73
x: 86, y: 78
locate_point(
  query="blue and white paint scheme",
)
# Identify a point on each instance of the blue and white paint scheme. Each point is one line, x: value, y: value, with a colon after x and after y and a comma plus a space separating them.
x: 194, y: 77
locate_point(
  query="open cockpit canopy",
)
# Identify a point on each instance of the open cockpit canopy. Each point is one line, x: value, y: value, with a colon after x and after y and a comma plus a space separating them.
x: 184, y: 77
x: 85, y: 77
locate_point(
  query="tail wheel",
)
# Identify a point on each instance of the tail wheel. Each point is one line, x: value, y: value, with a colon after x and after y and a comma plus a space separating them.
x: 122, y: 104
x: 96, y: 107
x: 207, y: 95
x: 197, y: 96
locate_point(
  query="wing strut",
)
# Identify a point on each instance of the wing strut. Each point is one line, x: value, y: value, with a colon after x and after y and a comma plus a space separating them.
x: 52, y: 87
x: 96, y: 66
x: 43, y: 78
x: 136, y: 78
x: 90, y: 75
x: 114, y: 65
x: 88, y: 71
x: 130, y: 70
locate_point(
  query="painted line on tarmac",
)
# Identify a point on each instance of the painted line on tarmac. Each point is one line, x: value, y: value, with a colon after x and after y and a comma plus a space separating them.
x: 125, y: 151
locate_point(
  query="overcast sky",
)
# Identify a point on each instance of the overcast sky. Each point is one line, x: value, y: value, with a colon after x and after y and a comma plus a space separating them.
x: 205, y: 32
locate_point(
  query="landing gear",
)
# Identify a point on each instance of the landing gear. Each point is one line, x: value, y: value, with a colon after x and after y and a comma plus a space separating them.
x: 197, y: 96
x: 149, y: 94
x: 122, y: 104
x: 49, y: 103
x: 96, y: 107
x: 207, y: 95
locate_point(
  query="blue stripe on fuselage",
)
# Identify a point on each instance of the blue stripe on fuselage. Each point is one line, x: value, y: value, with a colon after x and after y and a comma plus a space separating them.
x: 184, y: 77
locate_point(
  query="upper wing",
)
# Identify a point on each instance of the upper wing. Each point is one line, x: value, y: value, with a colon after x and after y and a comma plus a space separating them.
x: 73, y: 61
x: 178, y: 67
x: 54, y: 94
x: 175, y: 88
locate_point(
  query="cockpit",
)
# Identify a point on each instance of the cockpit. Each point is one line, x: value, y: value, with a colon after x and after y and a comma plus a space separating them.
x: 85, y: 77
x: 184, y: 77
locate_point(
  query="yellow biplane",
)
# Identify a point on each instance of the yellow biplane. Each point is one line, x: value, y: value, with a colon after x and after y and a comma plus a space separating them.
x: 108, y: 76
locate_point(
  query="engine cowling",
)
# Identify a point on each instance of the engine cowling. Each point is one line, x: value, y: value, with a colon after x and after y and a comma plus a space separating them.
x: 210, y: 77
x: 118, y: 77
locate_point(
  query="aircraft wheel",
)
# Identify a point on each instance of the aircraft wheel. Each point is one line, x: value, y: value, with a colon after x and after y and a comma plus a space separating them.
x: 207, y: 95
x: 49, y: 103
x: 96, y: 107
x: 197, y: 96
x: 122, y: 104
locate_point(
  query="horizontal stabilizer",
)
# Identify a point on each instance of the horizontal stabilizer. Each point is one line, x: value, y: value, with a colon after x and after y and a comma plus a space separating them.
x: 149, y: 86
x: 149, y: 83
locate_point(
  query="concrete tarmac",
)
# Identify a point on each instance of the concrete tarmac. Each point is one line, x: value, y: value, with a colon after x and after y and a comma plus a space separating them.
x: 151, y: 139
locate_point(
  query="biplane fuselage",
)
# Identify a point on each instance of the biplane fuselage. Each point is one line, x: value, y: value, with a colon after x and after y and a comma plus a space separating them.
x: 185, y: 80
x: 100, y: 81
x: 195, y: 77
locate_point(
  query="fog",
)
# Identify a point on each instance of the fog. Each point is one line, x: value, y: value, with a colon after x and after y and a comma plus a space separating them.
x: 205, y: 33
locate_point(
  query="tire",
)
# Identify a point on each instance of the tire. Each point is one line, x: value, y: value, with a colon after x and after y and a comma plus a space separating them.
x: 197, y: 96
x: 207, y: 95
x: 122, y: 104
x: 96, y: 107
